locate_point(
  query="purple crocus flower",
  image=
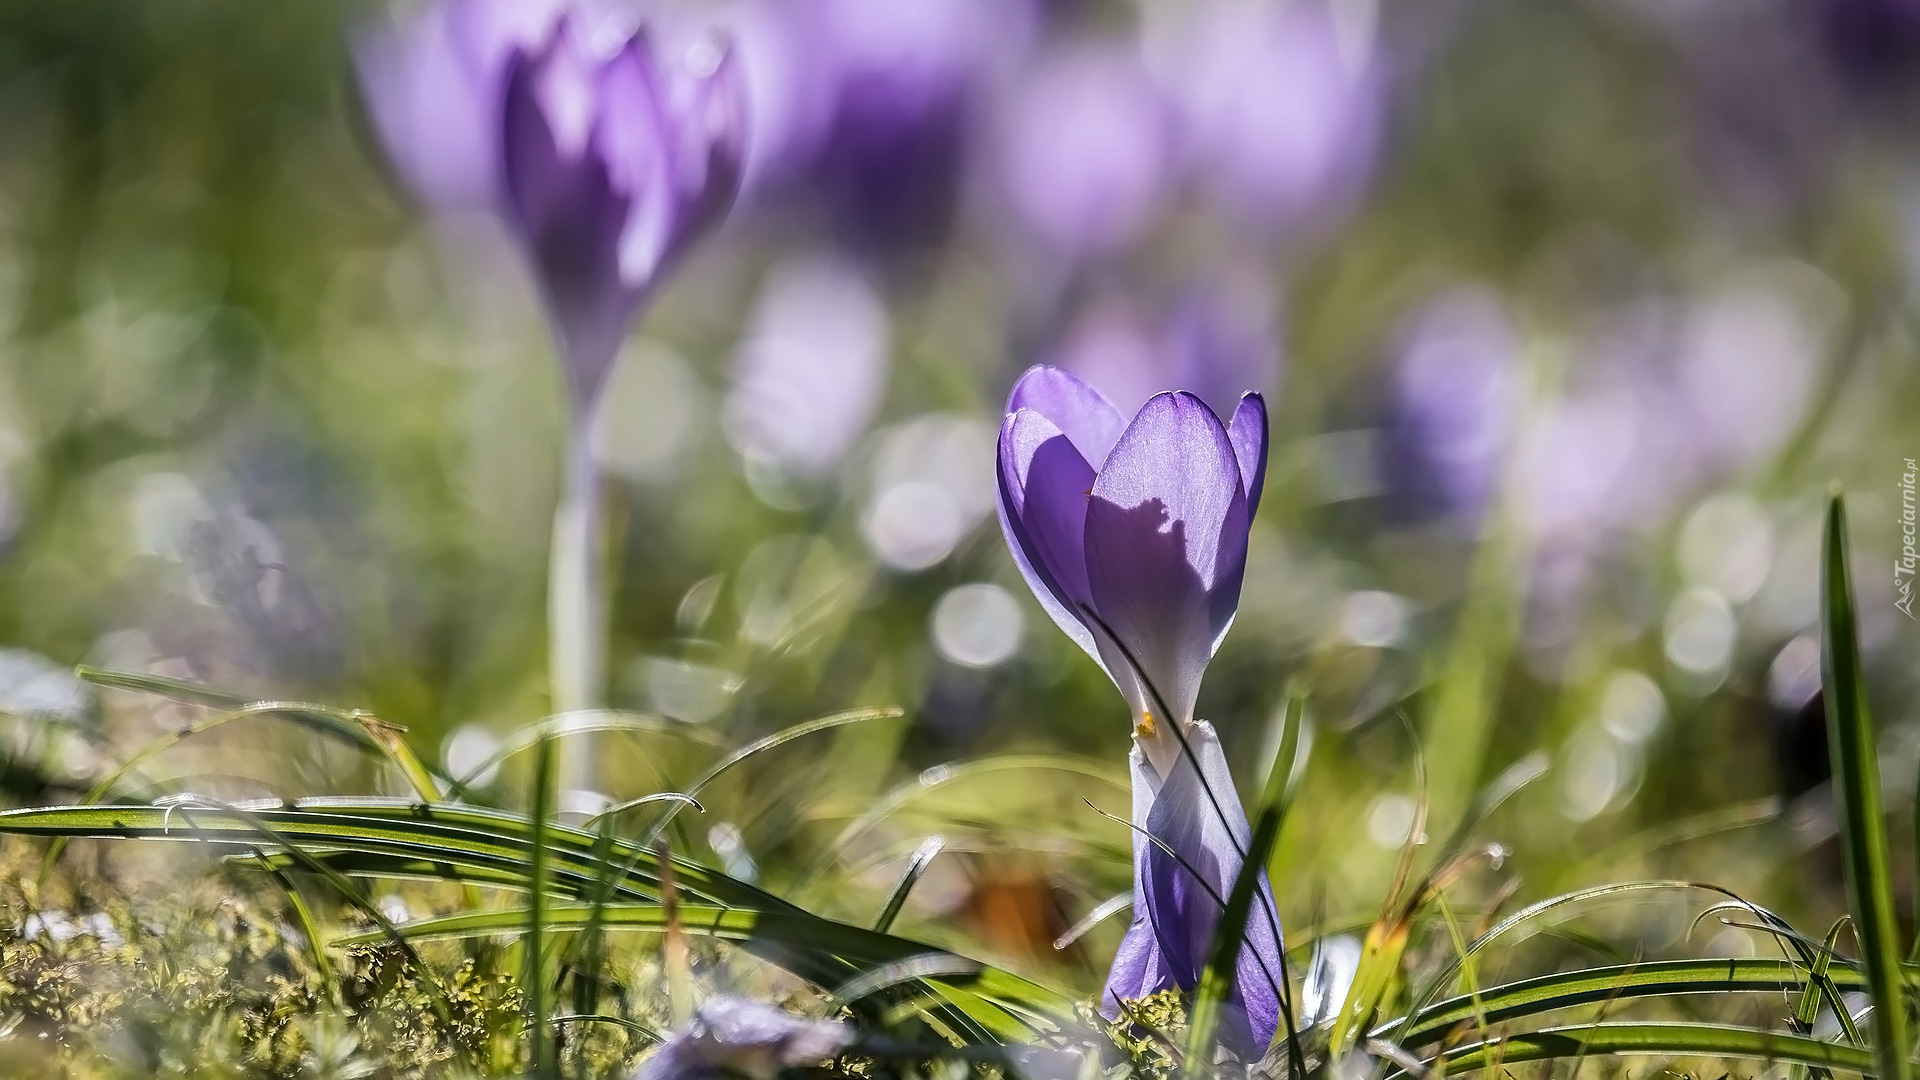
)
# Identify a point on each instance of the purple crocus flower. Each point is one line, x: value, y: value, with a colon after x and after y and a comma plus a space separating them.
x: 730, y: 1035
x: 1133, y: 535
x: 604, y: 160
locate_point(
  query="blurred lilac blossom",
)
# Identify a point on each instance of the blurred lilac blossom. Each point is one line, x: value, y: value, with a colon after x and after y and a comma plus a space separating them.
x: 605, y: 161
x: 875, y: 105
x: 1086, y: 148
x: 1281, y: 105
x: 1455, y: 404
x: 433, y: 87
x: 1216, y: 343
x: 1873, y: 44
x: 1139, y: 559
x: 810, y: 371
x: 731, y: 1035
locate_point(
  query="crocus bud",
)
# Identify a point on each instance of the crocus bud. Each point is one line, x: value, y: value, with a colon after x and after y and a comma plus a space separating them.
x: 606, y: 159
x: 613, y: 162
x: 1133, y: 535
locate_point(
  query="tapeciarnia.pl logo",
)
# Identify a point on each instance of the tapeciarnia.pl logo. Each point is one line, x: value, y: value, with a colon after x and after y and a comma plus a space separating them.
x: 1903, y: 567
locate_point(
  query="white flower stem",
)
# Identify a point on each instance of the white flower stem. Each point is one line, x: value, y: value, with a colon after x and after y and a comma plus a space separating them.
x: 576, y: 598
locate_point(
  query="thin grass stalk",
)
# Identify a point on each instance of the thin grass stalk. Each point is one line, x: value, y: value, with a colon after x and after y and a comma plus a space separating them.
x: 539, y: 1008
x: 1856, y: 776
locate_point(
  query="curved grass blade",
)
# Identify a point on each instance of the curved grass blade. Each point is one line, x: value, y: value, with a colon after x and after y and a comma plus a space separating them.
x: 1104, y: 910
x: 1531, y: 913
x: 909, y: 877
x: 635, y: 1026
x: 1659, y: 1039
x: 566, y: 725
x: 941, y: 776
x: 1856, y: 778
x: 497, y: 845
x: 1566, y: 990
x: 1807, y: 1012
x: 778, y: 738
x: 1026, y: 1002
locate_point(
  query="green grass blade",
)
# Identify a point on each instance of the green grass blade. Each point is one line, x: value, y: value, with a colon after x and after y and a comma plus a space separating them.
x: 1566, y: 990
x: 536, y: 986
x: 909, y: 877
x: 1660, y: 1039
x: 1856, y: 776
x: 496, y: 847
x: 1807, y: 1012
x: 1019, y: 1003
x: 1217, y: 979
x: 760, y: 746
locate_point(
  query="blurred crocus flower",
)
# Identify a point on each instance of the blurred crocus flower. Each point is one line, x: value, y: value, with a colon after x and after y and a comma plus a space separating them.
x: 1133, y: 535
x: 1086, y: 150
x: 605, y: 160
x: 1281, y: 105
x: 876, y: 104
x: 1456, y: 396
x: 1216, y: 343
x: 810, y: 371
x: 730, y: 1035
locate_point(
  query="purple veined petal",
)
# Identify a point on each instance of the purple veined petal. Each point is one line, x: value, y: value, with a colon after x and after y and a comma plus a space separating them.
x: 568, y: 212
x: 1198, y: 817
x: 1166, y: 543
x: 710, y: 145
x: 743, y: 1036
x: 1043, y: 485
x: 1073, y: 406
x: 1138, y: 967
x: 1248, y: 432
x: 431, y: 101
x: 631, y: 134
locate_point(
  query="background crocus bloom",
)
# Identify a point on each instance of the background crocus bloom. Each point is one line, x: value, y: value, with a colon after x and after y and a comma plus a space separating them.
x: 751, y: 1038
x: 1139, y: 559
x: 605, y: 160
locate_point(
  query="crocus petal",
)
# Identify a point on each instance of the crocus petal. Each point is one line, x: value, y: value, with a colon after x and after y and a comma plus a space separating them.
x: 1043, y: 497
x: 711, y: 142
x: 429, y: 102
x: 1248, y: 431
x: 1138, y: 968
x: 1166, y: 543
x: 1083, y: 413
x: 1197, y: 817
x: 747, y: 1037
x: 563, y: 201
x: 631, y: 134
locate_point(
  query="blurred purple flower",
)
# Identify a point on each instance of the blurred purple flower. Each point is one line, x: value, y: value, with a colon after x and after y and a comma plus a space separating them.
x: 1216, y: 343
x: 877, y: 104
x: 1873, y: 44
x: 750, y: 1038
x: 1139, y: 559
x: 604, y: 161
x: 1455, y: 404
x: 1281, y: 112
x: 811, y: 369
x: 433, y: 89
x: 1085, y: 151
